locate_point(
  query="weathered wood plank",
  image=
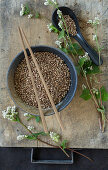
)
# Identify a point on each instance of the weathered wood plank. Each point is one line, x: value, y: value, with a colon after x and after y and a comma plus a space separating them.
x: 80, y: 118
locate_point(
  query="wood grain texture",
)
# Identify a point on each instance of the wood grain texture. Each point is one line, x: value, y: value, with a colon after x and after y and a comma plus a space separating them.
x: 79, y: 117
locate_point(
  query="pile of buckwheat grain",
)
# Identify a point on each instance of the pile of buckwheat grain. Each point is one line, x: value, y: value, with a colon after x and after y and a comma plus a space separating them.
x: 55, y: 73
x: 70, y: 25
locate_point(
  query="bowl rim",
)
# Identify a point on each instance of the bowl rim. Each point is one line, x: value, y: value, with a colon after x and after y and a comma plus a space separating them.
x: 43, y: 46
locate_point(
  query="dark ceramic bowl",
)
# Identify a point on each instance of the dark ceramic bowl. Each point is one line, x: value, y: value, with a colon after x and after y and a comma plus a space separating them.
x: 32, y: 110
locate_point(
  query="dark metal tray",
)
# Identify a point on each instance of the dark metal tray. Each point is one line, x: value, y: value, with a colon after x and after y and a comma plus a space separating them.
x: 50, y: 156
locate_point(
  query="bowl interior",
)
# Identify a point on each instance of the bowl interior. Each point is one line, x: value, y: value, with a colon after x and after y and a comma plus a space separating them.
x: 33, y: 110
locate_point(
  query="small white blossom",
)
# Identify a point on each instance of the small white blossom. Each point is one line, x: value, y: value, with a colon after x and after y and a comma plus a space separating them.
x: 91, y: 68
x: 58, y: 43
x: 95, y: 91
x: 83, y: 86
x: 59, y: 13
x: 94, y: 37
x: 54, y: 136
x: 21, y: 137
x: 90, y: 21
x: 22, y: 6
x: 60, y: 24
x: 26, y: 114
x: 30, y: 16
x: 96, y: 21
x: 30, y: 127
x: 86, y: 56
x: 21, y: 13
x: 49, y: 27
x: 80, y: 57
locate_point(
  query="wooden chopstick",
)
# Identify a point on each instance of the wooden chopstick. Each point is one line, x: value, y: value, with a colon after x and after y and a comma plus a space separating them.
x: 33, y: 83
x: 43, y: 81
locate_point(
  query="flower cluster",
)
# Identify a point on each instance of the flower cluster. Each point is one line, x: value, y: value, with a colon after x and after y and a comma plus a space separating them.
x: 50, y: 2
x: 60, y: 24
x: 54, y: 136
x: 59, y: 13
x: 30, y: 127
x: 30, y: 16
x: 22, y: 10
x: 96, y: 21
x: 58, y: 43
x: 10, y: 113
x: 21, y: 137
x: 50, y: 27
x: 95, y: 91
x: 86, y: 57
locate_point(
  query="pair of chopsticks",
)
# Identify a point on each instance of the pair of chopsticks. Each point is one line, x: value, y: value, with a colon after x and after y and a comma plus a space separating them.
x: 22, y: 34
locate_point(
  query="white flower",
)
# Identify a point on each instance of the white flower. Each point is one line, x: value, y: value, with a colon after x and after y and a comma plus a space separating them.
x: 50, y: 27
x: 4, y: 113
x: 96, y: 21
x: 30, y: 127
x: 91, y: 68
x: 59, y: 13
x: 22, y: 6
x: 46, y: 3
x: 13, y: 109
x: 54, y: 136
x: 10, y: 113
x: 9, y: 109
x: 95, y: 91
x: 90, y: 21
x: 21, y: 13
x: 26, y: 114
x: 80, y: 57
x: 30, y: 16
x: 21, y: 137
x: 83, y: 86
x: 94, y: 37
x: 58, y: 43
x: 86, y: 56
x: 60, y: 24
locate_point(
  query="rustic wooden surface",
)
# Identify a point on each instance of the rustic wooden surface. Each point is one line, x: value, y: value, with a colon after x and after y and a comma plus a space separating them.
x: 80, y: 117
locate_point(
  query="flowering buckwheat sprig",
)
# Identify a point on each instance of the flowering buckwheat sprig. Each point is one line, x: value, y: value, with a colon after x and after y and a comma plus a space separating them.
x: 50, y: 2
x: 11, y: 114
x: 54, y: 136
x: 21, y: 137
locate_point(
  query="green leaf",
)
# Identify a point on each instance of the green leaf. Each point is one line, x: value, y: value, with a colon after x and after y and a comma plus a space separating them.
x: 75, y: 46
x: 78, y: 69
x: 37, y: 15
x: 63, y: 144
x: 85, y: 94
x: 38, y: 119
x: 104, y: 94
x: 27, y: 10
x: 54, y: 29
x: 81, y: 61
x: 64, y: 50
x: 95, y: 70
x: 61, y: 34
